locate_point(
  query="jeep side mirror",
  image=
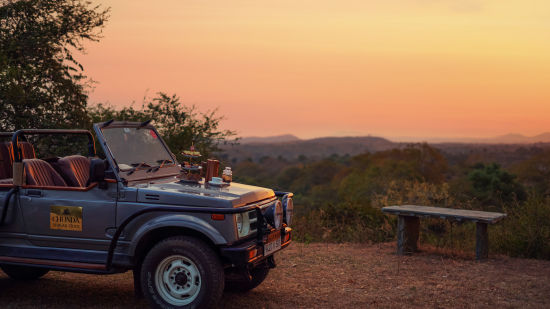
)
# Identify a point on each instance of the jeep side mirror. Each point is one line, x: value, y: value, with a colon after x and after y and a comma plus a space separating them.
x: 97, y: 171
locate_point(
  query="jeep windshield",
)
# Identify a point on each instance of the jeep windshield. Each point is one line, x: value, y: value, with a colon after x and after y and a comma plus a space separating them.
x: 136, y: 148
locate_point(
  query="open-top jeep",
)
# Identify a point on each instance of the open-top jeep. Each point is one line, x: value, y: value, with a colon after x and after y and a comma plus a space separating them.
x: 132, y: 210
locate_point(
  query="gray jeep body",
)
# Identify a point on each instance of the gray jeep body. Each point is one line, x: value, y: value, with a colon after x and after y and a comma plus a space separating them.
x: 123, y: 216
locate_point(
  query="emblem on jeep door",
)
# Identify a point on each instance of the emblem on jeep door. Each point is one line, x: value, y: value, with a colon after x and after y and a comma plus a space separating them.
x: 68, y: 218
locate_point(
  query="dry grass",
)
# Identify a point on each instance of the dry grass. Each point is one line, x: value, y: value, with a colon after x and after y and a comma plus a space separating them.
x: 328, y: 276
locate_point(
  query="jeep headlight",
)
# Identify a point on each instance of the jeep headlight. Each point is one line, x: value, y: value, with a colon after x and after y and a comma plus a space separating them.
x: 274, y: 215
x: 239, y: 222
x: 288, y: 209
x: 246, y: 223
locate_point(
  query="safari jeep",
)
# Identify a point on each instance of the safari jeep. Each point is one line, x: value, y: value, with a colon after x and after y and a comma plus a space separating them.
x: 131, y: 210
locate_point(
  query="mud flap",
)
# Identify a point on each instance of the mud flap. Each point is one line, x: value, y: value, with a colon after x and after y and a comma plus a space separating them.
x: 138, y: 293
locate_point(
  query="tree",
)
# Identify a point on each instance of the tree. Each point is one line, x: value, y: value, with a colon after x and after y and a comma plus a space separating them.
x: 42, y: 85
x: 535, y: 172
x: 181, y: 126
x: 492, y: 185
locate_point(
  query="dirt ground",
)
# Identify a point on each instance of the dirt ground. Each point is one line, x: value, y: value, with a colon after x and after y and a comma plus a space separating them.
x: 327, y: 276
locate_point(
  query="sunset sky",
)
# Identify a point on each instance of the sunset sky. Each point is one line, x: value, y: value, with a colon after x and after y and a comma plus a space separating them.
x: 422, y: 68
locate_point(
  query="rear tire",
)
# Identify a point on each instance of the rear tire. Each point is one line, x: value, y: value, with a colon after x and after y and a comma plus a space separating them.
x: 23, y: 273
x: 182, y: 272
x: 242, y: 285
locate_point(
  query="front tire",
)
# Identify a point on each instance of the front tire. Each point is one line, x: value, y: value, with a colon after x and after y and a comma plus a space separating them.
x: 182, y: 272
x: 23, y: 273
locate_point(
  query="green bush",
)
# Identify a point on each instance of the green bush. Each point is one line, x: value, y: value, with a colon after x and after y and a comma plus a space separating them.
x: 526, y: 230
x: 492, y: 185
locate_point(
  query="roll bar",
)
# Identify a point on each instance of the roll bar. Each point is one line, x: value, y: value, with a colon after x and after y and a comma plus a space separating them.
x: 17, y: 157
x: 17, y: 134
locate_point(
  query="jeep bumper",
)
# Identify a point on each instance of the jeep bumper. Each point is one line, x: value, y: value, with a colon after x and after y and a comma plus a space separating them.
x: 252, y: 252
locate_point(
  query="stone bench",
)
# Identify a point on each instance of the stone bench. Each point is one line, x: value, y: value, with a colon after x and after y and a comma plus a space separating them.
x: 408, y: 225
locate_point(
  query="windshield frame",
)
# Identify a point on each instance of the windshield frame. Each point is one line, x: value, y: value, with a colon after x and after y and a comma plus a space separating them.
x: 144, y: 173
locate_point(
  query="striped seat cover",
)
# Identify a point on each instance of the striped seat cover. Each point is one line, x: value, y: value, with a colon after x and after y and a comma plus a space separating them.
x: 75, y: 170
x: 41, y: 173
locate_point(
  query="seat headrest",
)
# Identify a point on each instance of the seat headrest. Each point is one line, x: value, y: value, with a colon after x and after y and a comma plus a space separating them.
x: 41, y: 173
x: 27, y: 150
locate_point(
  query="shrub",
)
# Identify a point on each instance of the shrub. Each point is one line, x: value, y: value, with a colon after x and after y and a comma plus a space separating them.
x: 526, y: 230
x: 492, y: 185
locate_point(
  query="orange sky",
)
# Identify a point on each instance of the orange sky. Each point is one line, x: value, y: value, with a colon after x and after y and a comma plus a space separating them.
x: 424, y: 68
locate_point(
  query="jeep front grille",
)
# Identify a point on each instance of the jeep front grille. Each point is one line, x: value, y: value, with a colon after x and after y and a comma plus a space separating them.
x: 253, y: 219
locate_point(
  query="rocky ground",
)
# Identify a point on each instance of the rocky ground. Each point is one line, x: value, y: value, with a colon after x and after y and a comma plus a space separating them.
x: 327, y: 276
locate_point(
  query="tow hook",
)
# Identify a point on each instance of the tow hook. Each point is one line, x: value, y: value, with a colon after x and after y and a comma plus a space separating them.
x: 271, y: 262
x: 245, y: 272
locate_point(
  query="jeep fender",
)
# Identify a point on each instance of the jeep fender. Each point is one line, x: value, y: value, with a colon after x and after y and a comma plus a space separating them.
x: 182, y: 221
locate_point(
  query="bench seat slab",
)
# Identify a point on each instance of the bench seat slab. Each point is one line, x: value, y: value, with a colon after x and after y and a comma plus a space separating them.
x: 445, y: 213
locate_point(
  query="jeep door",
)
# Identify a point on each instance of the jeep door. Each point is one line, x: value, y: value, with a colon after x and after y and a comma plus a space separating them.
x: 13, y: 226
x: 69, y: 217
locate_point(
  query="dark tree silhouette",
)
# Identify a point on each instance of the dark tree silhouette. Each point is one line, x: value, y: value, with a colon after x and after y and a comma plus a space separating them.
x: 42, y: 85
x: 181, y: 126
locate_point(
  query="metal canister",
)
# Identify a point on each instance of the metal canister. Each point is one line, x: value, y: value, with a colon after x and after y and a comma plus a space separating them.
x: 212, y: 167
x: 227, y: 174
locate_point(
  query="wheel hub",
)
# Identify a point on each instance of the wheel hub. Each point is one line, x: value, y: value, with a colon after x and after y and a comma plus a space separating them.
x: 181, y: 279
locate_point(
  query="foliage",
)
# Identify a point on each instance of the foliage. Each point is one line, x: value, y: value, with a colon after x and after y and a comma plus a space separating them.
x: 526, y: 230
x: 362, y: 223
x: 181, y: 126
x: 340, y: 200
x: 335, y: 188
x: 535, y: 173
x: 491, y: 184
x: 42, y: 85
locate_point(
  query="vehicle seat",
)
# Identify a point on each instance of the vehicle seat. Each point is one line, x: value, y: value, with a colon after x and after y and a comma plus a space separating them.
x: 6, y: 157
x: 5, y: 160
x: 41, y: 173
x: 75, y: 170
x: 27, y: 150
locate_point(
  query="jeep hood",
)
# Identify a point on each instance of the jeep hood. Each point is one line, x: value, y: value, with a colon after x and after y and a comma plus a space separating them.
x: 185, y: 194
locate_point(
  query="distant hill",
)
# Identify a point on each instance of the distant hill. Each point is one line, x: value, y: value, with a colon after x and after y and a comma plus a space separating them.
x: 269, y: 139
x: 316, y: 148
x: 521, y: 139
x: 506, y: 149
x: 512, y: 138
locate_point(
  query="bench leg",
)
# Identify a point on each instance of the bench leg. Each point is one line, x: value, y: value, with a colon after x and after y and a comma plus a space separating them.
x: 407, y: 234
x: 482, y: 241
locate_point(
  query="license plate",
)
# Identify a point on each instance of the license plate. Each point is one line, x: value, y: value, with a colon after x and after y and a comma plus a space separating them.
x: 273, y: 243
